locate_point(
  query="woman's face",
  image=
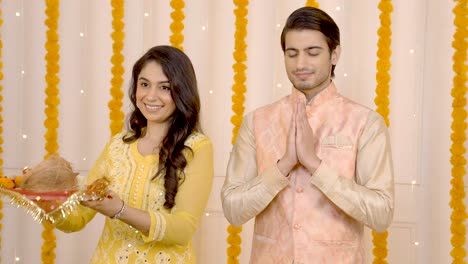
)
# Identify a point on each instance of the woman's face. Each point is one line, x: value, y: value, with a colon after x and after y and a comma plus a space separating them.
x: 153, y: 94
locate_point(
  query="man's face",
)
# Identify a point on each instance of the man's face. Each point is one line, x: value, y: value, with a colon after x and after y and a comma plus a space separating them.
x: 308, y: 60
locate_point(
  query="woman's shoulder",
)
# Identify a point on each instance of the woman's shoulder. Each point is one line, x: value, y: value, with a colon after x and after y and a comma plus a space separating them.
x: 196, y: 140
x: 117, y: 140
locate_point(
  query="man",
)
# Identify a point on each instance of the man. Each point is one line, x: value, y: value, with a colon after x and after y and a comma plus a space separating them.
x: 314, y: 167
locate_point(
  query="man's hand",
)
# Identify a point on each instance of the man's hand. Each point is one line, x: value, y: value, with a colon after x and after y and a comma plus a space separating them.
x: 305, y: 140
x: 289, y: 159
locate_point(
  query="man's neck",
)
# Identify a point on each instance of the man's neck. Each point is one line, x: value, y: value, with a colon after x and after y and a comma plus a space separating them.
x: 310, y: 96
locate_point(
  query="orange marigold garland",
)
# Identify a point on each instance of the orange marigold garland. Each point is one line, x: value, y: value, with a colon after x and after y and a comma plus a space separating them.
x: 238, y: 98
x: 382, y: 102
x: 52, y: 101
x: 1, y: 128
x: 312, y: 3
x: 177, y: 25
x: 115, y: 104
x: 458, y: 136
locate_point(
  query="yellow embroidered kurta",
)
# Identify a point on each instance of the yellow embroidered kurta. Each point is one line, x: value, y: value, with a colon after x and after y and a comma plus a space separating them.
x: 319, y: 217
x: 171, y: 231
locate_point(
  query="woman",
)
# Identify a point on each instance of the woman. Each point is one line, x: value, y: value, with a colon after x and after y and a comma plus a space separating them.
x: 161, y: 170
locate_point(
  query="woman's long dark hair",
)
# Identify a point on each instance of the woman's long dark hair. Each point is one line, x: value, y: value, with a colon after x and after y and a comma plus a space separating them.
x: 184, y: 91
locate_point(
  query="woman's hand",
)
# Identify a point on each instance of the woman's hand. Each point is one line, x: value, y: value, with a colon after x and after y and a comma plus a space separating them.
x: 109, y: 206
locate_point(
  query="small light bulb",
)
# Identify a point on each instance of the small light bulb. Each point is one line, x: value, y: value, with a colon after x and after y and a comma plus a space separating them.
x: 411, y: 51
x: 210, y: 91
x: 207, y: 214
x: 84, y: 158
x: 25, y: 136
x: 22, y: 72
x: 203, y: 28
x: 345, y: 74
x: 18, y: 14
x: 279, y: 85
x: 413, y: 182
x: 81, y: 34
x: 416, y: 243
x: 146, y: 14
x: 278, y: 25
x: 338, y: 8
x: 82, y: 91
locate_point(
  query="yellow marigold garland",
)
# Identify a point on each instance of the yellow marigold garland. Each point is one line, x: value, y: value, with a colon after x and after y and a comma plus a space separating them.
x: 383, y: 63
x: 238, y: 98
x: 1, y: 226
x: 239, y: 67
x: 52, y: 101
x: 52, y: 59
x: 382, y: 102
x: 48, y: 254
x: 458, y: 136
x: 234, y: 241
x: 312, y: 3
x: 1, y: 128
x: 177, y: 25
x: 115, y: 104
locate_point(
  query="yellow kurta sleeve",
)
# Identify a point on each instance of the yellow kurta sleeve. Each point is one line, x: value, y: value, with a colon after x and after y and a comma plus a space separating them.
x: 78, y: 219
x: 370, y: 197
x: 245, y: 194
x: 179, y: 225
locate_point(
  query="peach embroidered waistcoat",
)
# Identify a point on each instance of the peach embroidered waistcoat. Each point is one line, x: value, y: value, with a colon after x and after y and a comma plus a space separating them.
x: 301, y: 225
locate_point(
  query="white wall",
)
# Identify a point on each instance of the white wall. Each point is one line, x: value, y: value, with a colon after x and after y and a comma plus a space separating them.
x: 420, y: 103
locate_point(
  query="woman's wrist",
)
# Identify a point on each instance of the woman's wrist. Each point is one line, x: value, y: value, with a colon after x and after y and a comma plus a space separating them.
x: 119, y: 214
